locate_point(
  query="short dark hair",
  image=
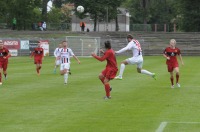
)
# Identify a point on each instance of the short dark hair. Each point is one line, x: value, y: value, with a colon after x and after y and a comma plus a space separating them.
x: 107, y: 45
x: 129, y: 36
x: 64, y: 41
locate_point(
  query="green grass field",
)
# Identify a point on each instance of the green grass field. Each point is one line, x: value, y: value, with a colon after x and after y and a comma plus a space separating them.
x: 29, y: 103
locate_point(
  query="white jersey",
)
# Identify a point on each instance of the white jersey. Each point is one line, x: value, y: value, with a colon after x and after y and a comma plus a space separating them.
x: 133, y: 45
x: 65, y: 54
x: 57, y: 52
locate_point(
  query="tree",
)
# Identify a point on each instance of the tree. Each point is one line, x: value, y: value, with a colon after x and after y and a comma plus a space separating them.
x: 3, y: 10
x: 188, y: 16
x: 44, y: 9
x: 22, y: 11
x: 98, y: 8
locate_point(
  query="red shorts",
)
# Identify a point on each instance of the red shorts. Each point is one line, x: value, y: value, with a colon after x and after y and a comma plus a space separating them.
x: 109, y: 73
x: 37, y: 61
x: 4, y: 64
x: 171, y: 66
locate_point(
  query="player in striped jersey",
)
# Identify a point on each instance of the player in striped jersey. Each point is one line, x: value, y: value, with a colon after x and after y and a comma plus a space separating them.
x: 57, y: 58
x: 65, y: 54
x: 137, y: 58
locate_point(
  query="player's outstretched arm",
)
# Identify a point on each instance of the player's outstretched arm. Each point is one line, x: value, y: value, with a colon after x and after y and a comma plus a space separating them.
x: 99, y: 58
x: 128, y: 47
x: 77, y: 59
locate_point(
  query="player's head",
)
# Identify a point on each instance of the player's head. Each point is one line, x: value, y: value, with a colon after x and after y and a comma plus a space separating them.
x: 64, y: 44
x: 129, y: 37
x: 172, y: 42
x: 107, y: 45
x: 1, y: 44
x: 39, y: 44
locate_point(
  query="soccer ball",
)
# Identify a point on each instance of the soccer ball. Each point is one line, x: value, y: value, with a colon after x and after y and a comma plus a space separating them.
x: 80, y: 9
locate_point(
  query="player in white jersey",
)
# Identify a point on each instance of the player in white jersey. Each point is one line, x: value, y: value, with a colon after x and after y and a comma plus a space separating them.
x: 56, y: 54
x: 137, y: 58
x: 65, y: 54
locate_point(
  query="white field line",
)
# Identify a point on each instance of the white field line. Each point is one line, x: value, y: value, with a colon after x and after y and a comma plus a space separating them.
x: 186, y: 122
x: 164, y: 124
x: 161, y: 127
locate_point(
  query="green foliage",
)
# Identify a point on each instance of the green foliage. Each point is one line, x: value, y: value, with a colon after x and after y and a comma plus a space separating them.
x: 189, y: 15
x: 54, y: 16
x: 186, y: 14
x: 22, y: 11
x: 58, y: 3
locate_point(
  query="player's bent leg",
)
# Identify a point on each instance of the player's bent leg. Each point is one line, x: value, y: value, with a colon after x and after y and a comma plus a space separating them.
x: 107, y: 88
x: 101, y: 77
x: 142, y: 71
x: 62, y: 72
x: 122, y: 68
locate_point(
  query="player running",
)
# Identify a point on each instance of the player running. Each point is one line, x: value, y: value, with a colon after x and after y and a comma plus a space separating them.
x: 137, y: 58
x: 4, y: 55
x: 170, y: 54
x: 38, y: 54
x: 65, y: 54
x: 111, y: 68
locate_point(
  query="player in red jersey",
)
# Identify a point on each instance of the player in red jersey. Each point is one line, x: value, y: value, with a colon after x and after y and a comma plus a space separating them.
x: 170, y: 54
x: 38, y: 54
x: 111, y: 68
x: 4, y: 55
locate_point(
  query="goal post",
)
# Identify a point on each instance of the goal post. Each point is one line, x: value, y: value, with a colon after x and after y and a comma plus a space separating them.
x: 83, y: 45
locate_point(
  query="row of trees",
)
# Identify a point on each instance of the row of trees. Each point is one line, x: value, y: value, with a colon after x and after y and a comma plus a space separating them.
x: 186, y: 14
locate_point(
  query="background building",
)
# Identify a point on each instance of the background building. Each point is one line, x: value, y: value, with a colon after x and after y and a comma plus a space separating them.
x: 123, y: 21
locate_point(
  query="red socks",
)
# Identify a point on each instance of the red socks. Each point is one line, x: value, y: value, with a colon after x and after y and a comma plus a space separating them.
x: 107, y: 89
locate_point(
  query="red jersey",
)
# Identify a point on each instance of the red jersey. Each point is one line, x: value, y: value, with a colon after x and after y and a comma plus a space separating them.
x: 172, y: 53
x: 109, y: 55
x: 3, y: 53
x: 38, y: 53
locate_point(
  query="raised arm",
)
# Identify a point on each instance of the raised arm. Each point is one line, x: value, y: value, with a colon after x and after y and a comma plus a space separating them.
x: 104, y: 57
x: 128, y: 47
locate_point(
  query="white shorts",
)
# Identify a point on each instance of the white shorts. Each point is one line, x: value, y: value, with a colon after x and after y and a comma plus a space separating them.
x: 64, y: 66
x: 58, y: 62
x: 136, y: 60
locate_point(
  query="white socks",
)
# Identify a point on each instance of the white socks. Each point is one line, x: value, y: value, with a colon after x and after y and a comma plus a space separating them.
x: 122, y: 67
x: 146, y: 72
x: 65, y: 77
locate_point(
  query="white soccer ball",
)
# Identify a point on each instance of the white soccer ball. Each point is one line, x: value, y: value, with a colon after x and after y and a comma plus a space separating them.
x: 80, y: 9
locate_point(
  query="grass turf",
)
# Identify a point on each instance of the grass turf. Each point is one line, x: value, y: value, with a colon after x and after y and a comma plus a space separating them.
x: 32, y: 103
